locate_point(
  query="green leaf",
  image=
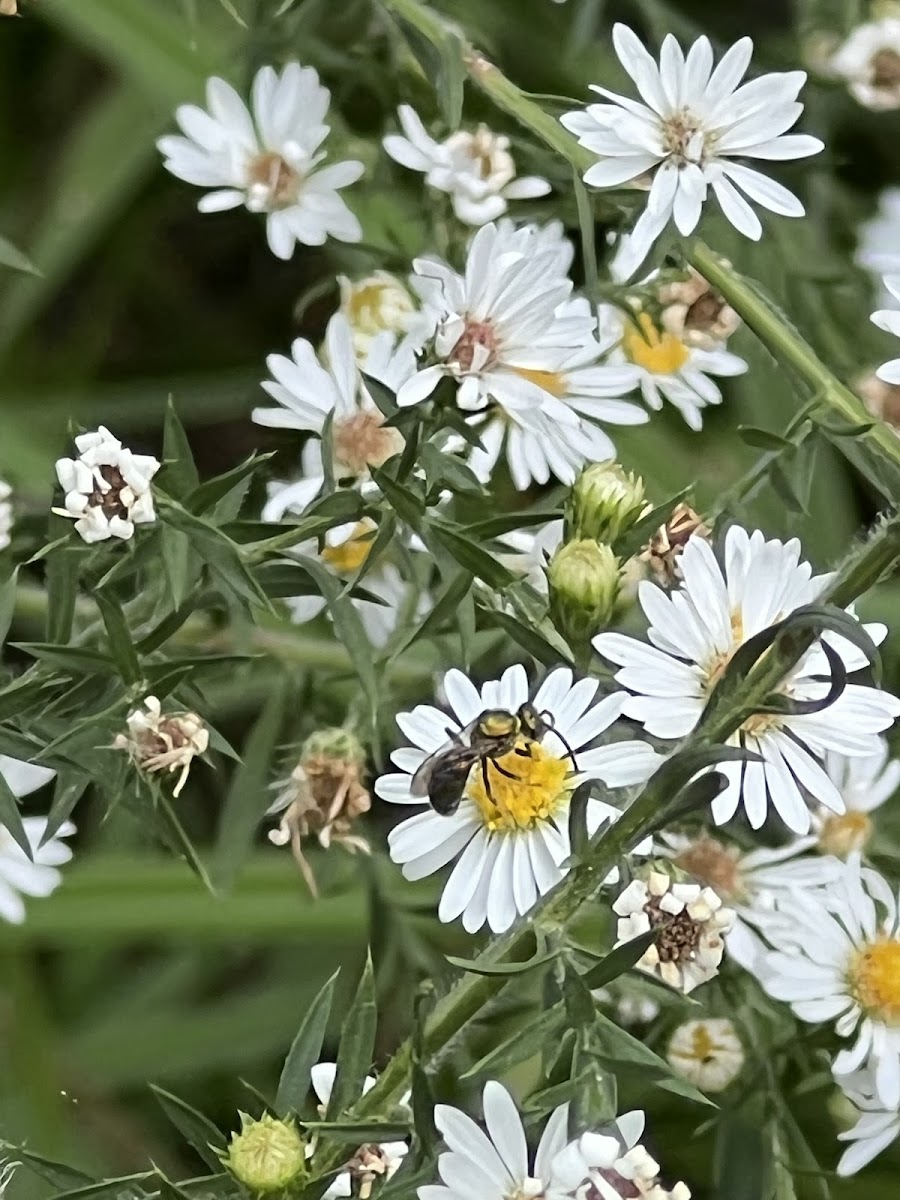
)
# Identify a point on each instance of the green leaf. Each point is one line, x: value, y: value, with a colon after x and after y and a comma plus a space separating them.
x: 446, y: 470
x: 586, y: 228
x: 384, y: 398
x: 451, y: 79
x: 63, y: 566
x: 634, y: 539
x: 445, y: 606
x: 304, y: 1053
x: 11, y: 819
x: 11, y: 257
x: 177, y: 564
x: 469, y: 554
x: 495, y: 527
x: 178, y: 837
x: 475, y: 967
x: 544, y: 644
x: 60, y: 1175
x: 193, y: 1126
x: 248, y: 794
x: 360, y: 1131
x: 73, y: 659
x: 763, y: 439
x: 210, y: 493
x: 741, y: 1159
x: 8, y: 603
x: 408, y: 506
x: 68, y: 789
x: 356, y: 1047
x: 120, y: 644
x: 219, y: 552
x: 521, y: 1045
x: 126, y: 1187
x: 619, y: 1046
x: 179, y: 476
x: 620, y: 960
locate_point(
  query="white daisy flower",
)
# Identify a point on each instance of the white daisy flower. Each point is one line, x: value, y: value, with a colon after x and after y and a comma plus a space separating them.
x: 878, y: 249
x: 6, y: 514
x: 708, y: 1053
x: 877, y: 1128
x: 512, y: 842
x: 750, y: 884
x: 837, y: 958
x: 693, y: 124
x: 476, y: 170
x: 309, y: 391
x: 693, y: 920
x: 888, y: 319
x: 695, y: 631
x: 504, y: 329
x: 20, y: 876
x: 869, y: 62
x: 865, y: 784
x: 371, y: 1162
x: 267, y: 159
x: 107, y: 487
x: 668, y: 368
x: 380, y: 303
x: 496, y: 1165
x: 611, y: 1165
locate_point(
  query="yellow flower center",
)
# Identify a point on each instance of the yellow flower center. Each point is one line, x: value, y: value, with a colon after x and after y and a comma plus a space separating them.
x: 703, y: 1046
x: 541, y: 784
x: 875, y: 979
x: 553, y: 382
x: 353, y: 551
x: 365, y: 302
x: 841, y: 835
x: 651, y: 348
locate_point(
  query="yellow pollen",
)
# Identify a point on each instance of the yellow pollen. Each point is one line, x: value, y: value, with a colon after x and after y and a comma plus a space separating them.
x: 553, y: 382
x: 351, y: 553
x: 542, y: 784
x: 716, y: 668
x: 364, y: 304
x: 841, y: 835
x: 702, y: 1045
x: 654, y: 350
x: 875, y: 979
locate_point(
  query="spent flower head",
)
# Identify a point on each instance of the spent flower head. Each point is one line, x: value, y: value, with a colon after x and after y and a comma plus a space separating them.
x: 158, y: 741
x: 662, y: 552
x: 107, y: 487
x: 694, y: 312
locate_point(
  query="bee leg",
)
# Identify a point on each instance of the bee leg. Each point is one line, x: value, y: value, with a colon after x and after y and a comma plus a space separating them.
x: 503, y: 771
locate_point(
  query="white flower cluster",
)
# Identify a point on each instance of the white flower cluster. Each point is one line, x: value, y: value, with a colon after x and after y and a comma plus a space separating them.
x: 107, y: 487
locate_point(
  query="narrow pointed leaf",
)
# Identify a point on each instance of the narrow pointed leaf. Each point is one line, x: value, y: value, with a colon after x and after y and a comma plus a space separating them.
x: 294, y: 1084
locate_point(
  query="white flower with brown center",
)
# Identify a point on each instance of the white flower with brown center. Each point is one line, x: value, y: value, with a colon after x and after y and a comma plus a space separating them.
x: 611, y: 1164
x: 510, y: 832
x: 158, y: 741
x: 708, y: 1053
x: 750, y: 883
x: 869, y: 62
x: 504, y: 331
x: 267, y: 158
x: 368, y: 1164
x: 107, y: 487
x: 865, y: 784
x: 695, y: 632
x: 691, y: 921
x: 309, y: 392
x: 668, y: 366
x: 476, y: 170
x: 837, y: 959
x: 693, y: 124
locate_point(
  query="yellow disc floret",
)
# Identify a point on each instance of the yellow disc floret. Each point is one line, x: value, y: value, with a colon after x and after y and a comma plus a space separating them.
x: 842, y: 835
x: 541, y: 784
x: 875, y: 978
x: 350, y: 554
x: 553, y: 382
x: 652, y: 348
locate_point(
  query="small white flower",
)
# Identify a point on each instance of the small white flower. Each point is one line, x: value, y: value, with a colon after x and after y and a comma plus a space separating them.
x: 692, y: 920
x: 869, y: 61
x: 668, y: 368
x: 158, y: 741
x: 694, y: 633
x: 20, y: 876
x: 877, y: 1127
x: 107, y: 487
x: 865, y: 784
x: 750, y: 883
x: 888, y: 319
x: 837, y: 958
x: 684, y: 138
x: 708, y: 1053
x: 504, y: 328
x: 513, y: 838
x: 268, y: 159
x: 308, y: 392
x: 376, y: 304
x: 878, y: 250
x: 496, y: 1165
x: 476, y: 170
x: 611, y: 1165
x: 6, y: 514
x: 369, y: 1163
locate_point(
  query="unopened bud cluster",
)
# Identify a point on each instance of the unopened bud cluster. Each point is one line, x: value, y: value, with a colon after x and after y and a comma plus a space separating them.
x: 107, y: 487
x: 158, y: 741
x: 267, y: 1155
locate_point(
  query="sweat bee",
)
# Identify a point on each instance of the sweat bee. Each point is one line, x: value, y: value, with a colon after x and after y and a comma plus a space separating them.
x: 442, y: 777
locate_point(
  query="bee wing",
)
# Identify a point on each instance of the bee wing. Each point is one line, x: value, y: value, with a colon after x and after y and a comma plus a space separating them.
x: 421, y: 780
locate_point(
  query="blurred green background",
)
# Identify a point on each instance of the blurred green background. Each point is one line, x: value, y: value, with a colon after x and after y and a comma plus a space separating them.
x: 131, y: 972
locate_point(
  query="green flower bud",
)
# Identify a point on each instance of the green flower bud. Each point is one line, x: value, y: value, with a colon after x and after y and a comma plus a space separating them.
x: 605, y: 501
x: 338, y: 744
x: 267, y: 1155
x: 584, y: 580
